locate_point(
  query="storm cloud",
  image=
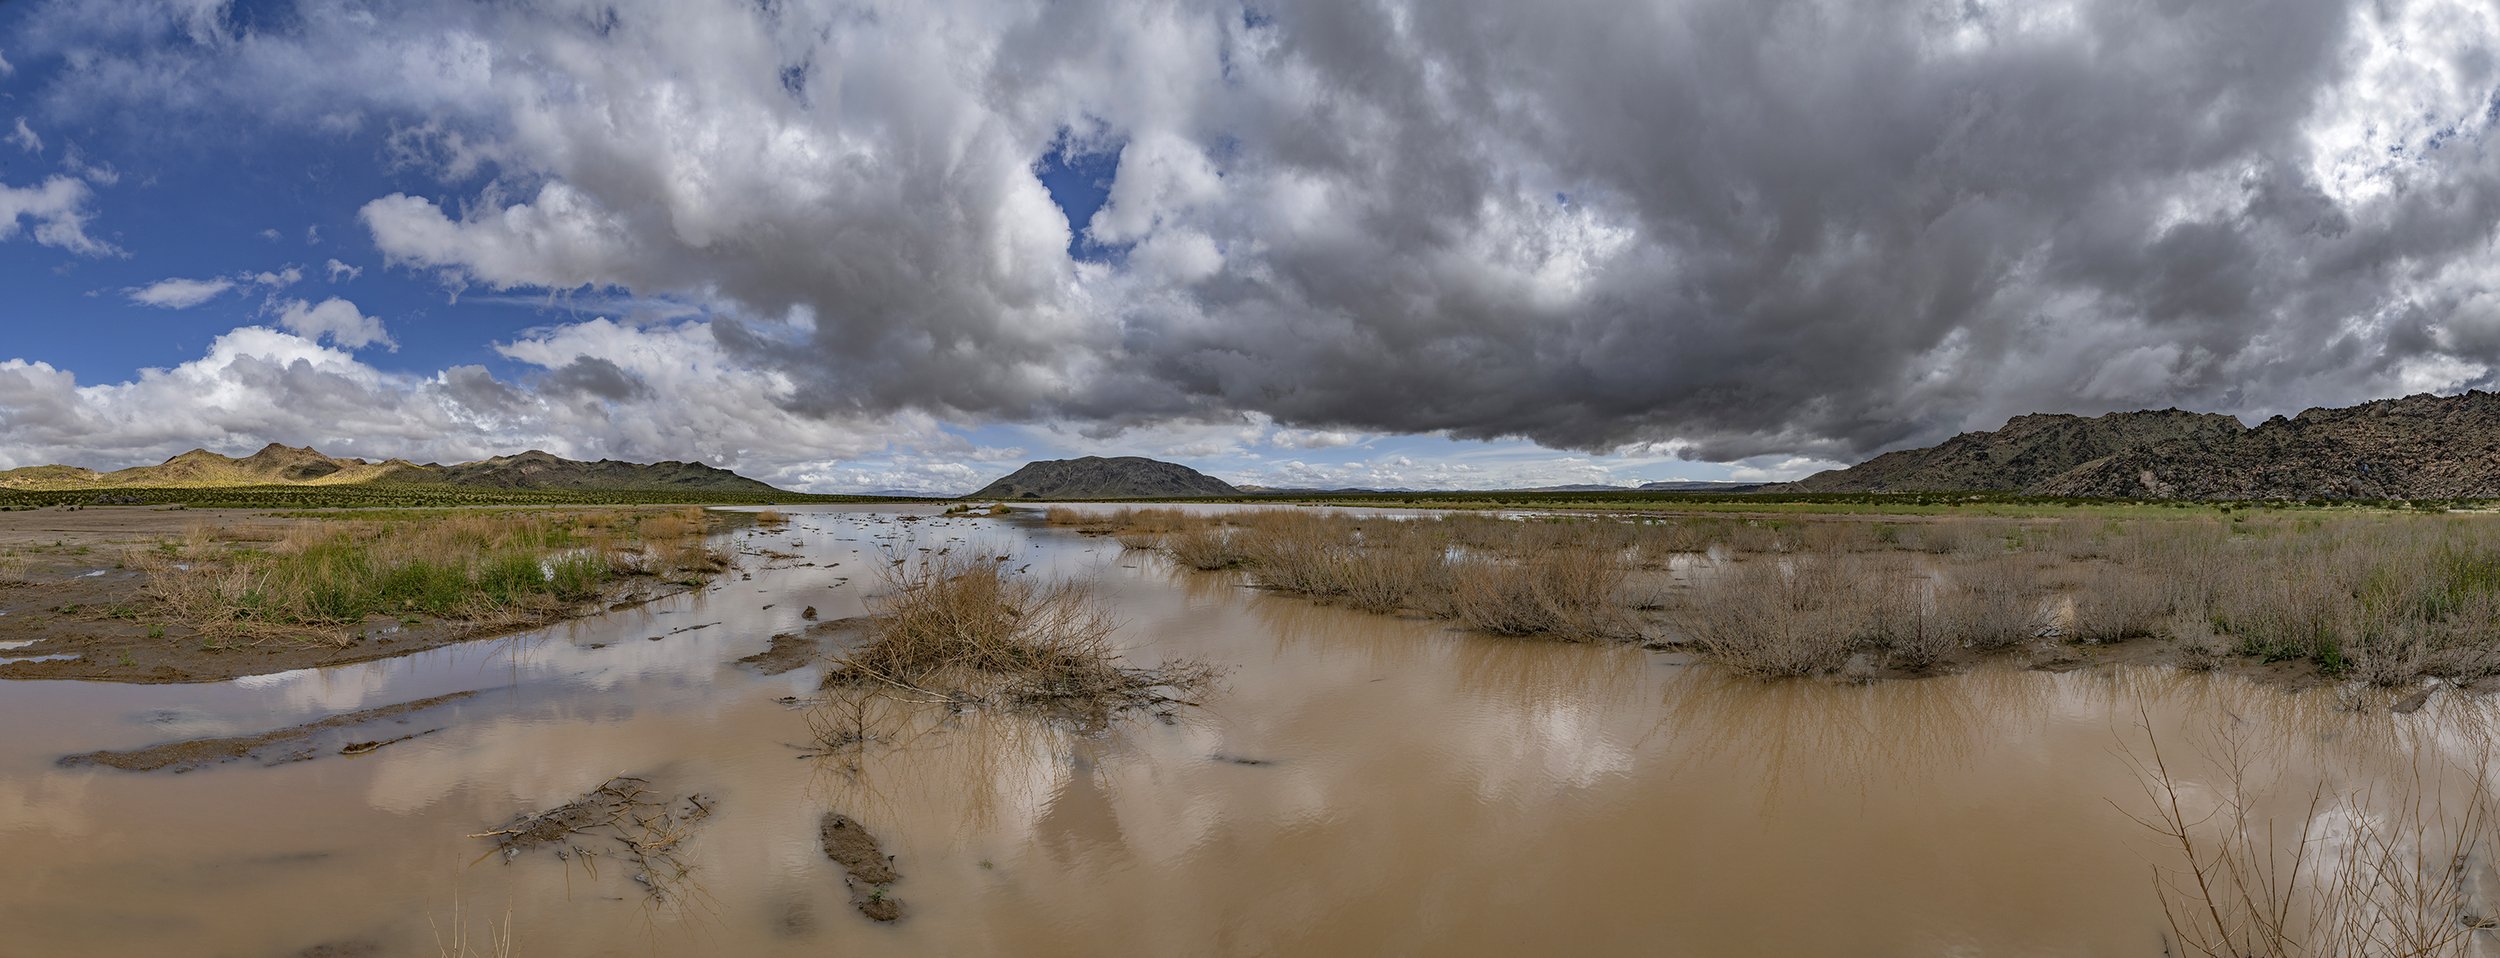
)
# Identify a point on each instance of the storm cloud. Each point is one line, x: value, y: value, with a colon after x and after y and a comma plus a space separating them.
x: 1718, y: 228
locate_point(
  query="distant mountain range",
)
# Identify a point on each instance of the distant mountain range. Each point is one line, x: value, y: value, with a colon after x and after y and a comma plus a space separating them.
x: 2417, y: 447
x: 277, y: 465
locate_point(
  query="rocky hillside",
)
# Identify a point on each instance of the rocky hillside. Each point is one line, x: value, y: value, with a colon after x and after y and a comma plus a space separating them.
x: 277, y: 465
x: 538, y: 470
x: 2417, y: 447
x: 1094, y: 477
x: 2029, y: 450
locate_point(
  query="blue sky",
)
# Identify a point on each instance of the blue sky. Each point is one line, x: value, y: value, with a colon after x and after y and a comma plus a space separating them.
x: 847, y: 244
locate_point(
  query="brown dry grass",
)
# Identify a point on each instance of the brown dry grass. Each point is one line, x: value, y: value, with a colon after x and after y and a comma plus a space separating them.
x: 965, y: 630
x: 2387, y: 598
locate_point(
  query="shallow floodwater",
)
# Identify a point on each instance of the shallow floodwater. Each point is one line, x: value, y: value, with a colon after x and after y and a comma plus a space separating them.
x: 1360, y: 785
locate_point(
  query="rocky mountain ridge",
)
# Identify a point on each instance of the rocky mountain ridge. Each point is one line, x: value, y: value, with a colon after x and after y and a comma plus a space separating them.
x: 2416, y: 447
x: 280, y: 465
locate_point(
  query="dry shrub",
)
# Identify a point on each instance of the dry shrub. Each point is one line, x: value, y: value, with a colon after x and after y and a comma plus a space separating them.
x: 963, y: 629
x: 1567, y: 593
x: 2115, y: 604
x: 1900, y: 611
x: 1203, y: 546
x: 1295, y: 552
x: 770, y: 519
x: 1138, y: 540
x: 1992, y: 604
x: 1787, y: 616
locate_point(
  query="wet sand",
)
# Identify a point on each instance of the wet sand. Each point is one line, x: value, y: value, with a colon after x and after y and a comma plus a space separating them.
x: 1359, y: 785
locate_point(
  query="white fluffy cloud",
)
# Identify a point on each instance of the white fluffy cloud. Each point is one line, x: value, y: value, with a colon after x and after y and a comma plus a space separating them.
x: 335, y: 320
x: 594, y: 389
x: 341, y: 272
x: 58, y: 208
x: 179, y: 293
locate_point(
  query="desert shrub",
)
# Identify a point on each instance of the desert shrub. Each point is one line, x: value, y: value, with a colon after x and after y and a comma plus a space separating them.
x: 1992, y: 604
x: 1204, y: 546
x: 1775, y: 616
x: 2114, y: 604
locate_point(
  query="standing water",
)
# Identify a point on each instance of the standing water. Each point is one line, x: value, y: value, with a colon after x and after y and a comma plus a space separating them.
x: 1356, y: 785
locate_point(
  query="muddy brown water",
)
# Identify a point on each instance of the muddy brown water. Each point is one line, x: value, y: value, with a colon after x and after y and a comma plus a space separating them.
x: 1361, y: 785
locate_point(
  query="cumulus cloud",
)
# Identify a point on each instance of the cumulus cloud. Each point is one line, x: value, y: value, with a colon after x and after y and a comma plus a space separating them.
x: 24, y: 137
x: 340, y: 272
x: 1819, y: 228
x: 256, y: 385
x: 179, y: 293
x: 335, y: 320
x: 58, y: 209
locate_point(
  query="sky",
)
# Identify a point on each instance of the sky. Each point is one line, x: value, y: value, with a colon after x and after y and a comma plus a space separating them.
x: 849, y: 246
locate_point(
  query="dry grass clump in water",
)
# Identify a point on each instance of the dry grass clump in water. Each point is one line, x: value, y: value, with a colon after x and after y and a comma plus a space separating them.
x: 966, y: 630
x: 1776, y: 616
x: 1563, y: 592
x: 769, y: 519
x: 1204, y: 546
x: 329, y: 577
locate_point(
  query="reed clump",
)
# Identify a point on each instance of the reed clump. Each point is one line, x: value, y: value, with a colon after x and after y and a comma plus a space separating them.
x: 963, y: 629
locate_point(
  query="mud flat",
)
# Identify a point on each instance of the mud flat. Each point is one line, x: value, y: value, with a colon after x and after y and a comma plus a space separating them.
x: 297, y: 743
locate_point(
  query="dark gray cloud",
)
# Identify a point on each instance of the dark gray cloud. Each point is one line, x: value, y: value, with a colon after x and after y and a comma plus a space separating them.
x: 598, y: 378
x: 1738, y: 227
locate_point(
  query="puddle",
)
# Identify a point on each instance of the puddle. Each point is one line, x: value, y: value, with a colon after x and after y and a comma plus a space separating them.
x: 1358, y: 785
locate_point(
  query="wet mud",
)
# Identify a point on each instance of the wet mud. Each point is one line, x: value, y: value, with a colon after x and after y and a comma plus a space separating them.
x: 867, y: 869
x: 300, y: 743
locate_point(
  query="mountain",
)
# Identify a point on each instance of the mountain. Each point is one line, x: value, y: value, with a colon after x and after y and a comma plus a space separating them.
x: 277, y: 465
x: 539, y: 470
x: 2416, y: 447
x: 1094, y: 477
x: 2027, y: 451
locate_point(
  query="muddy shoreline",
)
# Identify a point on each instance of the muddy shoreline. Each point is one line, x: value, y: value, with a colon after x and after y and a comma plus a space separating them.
x: 294, y: 743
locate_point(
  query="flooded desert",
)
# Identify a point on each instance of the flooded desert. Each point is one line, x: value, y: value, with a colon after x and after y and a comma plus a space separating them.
x: 1350, y: 784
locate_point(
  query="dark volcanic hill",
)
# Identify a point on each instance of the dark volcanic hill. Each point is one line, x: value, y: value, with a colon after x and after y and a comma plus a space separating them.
x: 1094, y: 477
x: 2029, y: 450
